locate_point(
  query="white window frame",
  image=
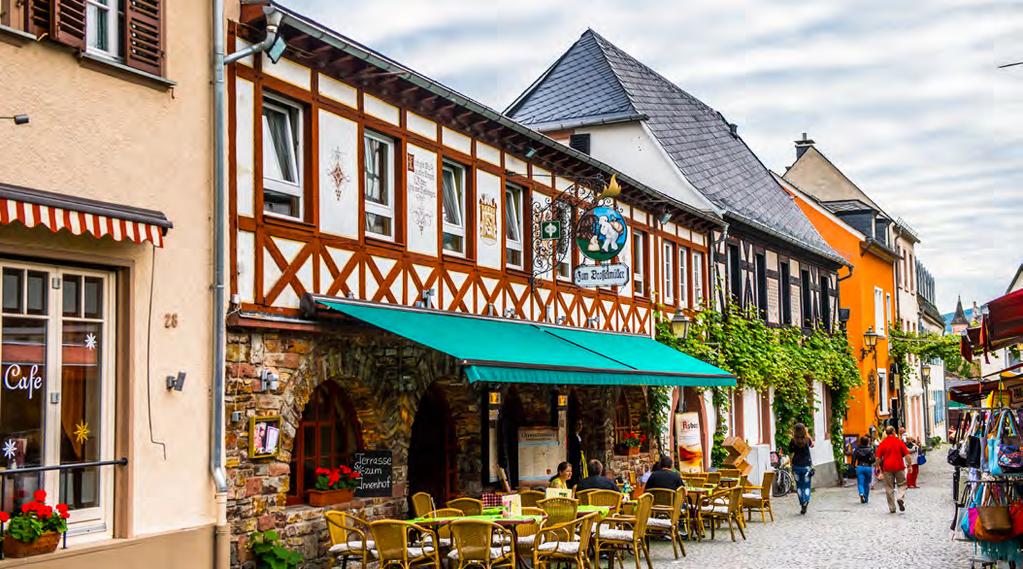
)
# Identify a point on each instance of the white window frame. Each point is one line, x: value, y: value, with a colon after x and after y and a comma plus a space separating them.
x: 456, y: 230
x: 683, y: 277
x: 113, y: 15
x: 698, y: 298
x: 882, y: 391
x: 879, y: 314
x: 295, y: 145
x: 518, y: 193
x: 669, y: 272
x: 373, y: 207
x: 97, y: 521
x: 887, y: 312
x: 638, y: 266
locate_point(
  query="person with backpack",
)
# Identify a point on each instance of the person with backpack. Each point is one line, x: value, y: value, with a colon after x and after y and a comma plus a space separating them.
x: 863, y: 460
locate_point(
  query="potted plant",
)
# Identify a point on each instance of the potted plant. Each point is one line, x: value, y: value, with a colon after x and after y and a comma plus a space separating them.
x: 270, y: 553
x: 633, y: 441
x: 36, y: 529
x: 334, y: 486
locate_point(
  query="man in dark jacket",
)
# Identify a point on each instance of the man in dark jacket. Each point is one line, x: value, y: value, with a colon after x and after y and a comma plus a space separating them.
x: 666, y: 477
x: 596, y: 480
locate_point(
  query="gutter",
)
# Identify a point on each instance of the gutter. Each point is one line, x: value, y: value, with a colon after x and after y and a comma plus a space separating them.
x: 615, y: 118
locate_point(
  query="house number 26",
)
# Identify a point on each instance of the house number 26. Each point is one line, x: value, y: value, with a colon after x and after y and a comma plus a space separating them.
x: 170, y: 320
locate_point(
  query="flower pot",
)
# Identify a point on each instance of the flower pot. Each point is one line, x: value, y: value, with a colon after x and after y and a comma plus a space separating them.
x: 46, y: 543
x: 321, y: 498
x: 633, y: 451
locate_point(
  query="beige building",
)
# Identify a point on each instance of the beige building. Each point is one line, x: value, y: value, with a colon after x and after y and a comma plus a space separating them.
x: 105, y: 252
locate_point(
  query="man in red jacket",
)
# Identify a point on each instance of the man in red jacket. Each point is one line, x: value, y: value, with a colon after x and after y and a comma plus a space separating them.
x: 891, y: 455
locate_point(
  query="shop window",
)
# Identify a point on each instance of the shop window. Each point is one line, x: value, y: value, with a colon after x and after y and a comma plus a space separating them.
x: 454, y: 208
x: 379, y: 192
x: 57, y: 399
x: 698, y: 298
x: 103, y: 24
x: 282, y: 157
x: 327, y: 436
x: 669, y: 271
x: 513, y: 226
x: 683, y: 277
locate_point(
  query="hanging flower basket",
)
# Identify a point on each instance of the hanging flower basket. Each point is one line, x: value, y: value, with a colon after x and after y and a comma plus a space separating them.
x: 320, y: 498
x: 45, y: 543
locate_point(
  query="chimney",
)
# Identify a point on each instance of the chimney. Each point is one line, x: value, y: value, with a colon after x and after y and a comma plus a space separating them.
x: 734, y: 129
x: 802, y: 145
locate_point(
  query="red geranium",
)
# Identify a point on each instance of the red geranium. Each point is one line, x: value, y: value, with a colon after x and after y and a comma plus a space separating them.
x: 4, y: 517
x: 340, y: 478
x: 36, y: 518
x: 40, y: 496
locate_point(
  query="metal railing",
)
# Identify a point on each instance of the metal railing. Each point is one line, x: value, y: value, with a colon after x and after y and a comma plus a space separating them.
x: 4, y: 474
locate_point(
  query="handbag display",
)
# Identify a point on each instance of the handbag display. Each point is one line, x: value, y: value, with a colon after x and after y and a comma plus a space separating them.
x: 972, y: 450
x: 1008, y: 453
x: 992, y: 522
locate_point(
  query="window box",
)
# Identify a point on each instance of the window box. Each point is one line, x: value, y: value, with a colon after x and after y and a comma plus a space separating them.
x: 321, y: 498
x: 46, y: 543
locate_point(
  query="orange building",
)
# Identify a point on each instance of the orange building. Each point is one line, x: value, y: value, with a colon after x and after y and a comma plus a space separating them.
x: 860, y: 233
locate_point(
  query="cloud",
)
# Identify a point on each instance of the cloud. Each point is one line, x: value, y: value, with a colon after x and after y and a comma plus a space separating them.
x: 905, y: 97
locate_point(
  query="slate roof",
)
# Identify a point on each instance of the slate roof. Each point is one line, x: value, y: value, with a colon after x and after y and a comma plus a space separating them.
x: 960, y: 315
x: 595, y: 82
x: 843, y: 206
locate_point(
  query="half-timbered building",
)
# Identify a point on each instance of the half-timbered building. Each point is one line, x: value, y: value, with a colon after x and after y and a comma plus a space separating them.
x: 768, y: 257
x: 392, y: 289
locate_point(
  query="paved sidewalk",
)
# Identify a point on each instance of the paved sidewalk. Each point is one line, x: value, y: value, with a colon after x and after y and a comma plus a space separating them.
x: 839, y: 532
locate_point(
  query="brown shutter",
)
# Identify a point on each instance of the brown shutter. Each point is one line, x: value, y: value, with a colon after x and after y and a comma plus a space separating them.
x: 143, y: 36
x: 37, y: 17
x: 67, y: 24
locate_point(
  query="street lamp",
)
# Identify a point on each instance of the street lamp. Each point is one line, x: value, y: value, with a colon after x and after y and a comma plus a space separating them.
x: 870, y: 341
x: 680, y: 324
x: 925, y: 374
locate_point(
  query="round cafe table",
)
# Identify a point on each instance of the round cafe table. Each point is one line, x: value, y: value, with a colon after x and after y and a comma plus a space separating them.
x: 694, y: 496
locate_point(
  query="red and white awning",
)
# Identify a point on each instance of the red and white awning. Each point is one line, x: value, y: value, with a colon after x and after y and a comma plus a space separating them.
x: 34, y: 208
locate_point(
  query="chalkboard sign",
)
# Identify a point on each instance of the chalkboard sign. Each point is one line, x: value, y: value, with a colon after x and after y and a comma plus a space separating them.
x: 375, y: 466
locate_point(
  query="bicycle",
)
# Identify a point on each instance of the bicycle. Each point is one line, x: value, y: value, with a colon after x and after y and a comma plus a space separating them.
x: 784, y: 481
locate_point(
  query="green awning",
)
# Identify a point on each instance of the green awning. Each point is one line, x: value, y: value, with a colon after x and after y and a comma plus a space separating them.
x: 515, y: 351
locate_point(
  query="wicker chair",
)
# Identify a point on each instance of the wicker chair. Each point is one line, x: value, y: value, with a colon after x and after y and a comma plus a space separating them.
x: 530, y: 498
x: 759, y: 498
x: 713, y: 478
x: 695, y: 479
x: 618, y: 534
x: 565, y: 543
x: 394, y: 539
x: 422, y: 504
x: 474, y: 545
x: 668, y: 520
x: 583, y: 497
x: 608, y: 498
x: 444, y: 532
x: 469, y: 506
x: 725, y: 505
x: 729, y: 472
x: 349, y: 537
x: 559, y: 510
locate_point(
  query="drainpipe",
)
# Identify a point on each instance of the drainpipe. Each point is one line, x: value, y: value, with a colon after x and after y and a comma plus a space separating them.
x: 222, y: 543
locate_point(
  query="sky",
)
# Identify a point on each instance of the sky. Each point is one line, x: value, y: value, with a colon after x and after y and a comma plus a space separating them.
x: 904, y: 97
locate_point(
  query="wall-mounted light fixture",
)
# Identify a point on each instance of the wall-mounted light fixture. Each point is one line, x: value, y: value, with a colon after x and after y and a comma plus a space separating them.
x: 665, y: 217
x: 680, y: 324
x: 530, y: 152
x: 18, y: 119
x: 561, y: 320
x: 176, y: 383
x: 592, y: 322
x: 494, y: 398
x: 870, y: 342
x: 562, y: 401
x: 268, y: 380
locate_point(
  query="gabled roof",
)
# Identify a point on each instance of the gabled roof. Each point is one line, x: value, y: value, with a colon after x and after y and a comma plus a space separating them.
x: 585, y: 86
x: 847, y: 190
x: 847, y: 206
x: 1016, y: 283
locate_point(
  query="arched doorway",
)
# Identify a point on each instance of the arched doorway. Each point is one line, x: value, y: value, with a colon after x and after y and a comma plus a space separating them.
x: 508, y: 423
x: 432, y: 457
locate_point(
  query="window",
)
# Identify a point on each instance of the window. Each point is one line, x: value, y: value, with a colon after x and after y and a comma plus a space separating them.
x: 734, y: 277
x: 760, y: 262
x: 103, y: 22
x: 826, y: 301
x: 786, y: 294
x: 513, y: 226
x: 805, y: 300
x: 453, y: 179
x: 282, y: 158
x: 879, y: 313
x: 566, y: 249
x: 669, y: 271
x: 379, y: 156
x: 683, y: 277
x: 56, y: 404
x: 698, y: 299
x: 327, y: 436
x: 887, y: 311
x: 639, y: 263
x: 882, y: 389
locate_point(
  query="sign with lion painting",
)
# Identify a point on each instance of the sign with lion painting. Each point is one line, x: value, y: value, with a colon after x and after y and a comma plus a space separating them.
x: 601, y: 233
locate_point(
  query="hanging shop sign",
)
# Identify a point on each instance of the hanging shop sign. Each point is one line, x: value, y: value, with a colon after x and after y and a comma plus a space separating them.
x: 601, y: 233
x: 550, y: 230
x: 616, y: 274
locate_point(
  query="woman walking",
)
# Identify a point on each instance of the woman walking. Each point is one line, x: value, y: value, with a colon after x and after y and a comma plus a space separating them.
x: 863, y: 459
x: 802, y: 463
x: 914, y: 467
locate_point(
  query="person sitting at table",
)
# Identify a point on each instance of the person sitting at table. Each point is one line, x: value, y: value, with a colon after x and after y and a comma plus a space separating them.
x: 560, y: 480
x: 664, y: 477
x: 596, y: 480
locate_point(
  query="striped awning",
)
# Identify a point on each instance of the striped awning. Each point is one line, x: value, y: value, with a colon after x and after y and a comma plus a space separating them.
x: 33, y: 208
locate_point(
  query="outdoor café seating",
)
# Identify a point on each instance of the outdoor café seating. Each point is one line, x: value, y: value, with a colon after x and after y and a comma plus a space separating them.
x: 444, y: 533
x: 474, y: 545
x: 422, y: 504
x: 394, y: 541
x: 559, y: 510
x: 583, y: 496
x: 468, y: 506
x: 349, y: 537
x: 530, y: 498
x: 564, y: 543
x: 607, y: 498
x: 758, y: 498
x: 616, y: 534
x: 666, y: 516
x: 725, y: 505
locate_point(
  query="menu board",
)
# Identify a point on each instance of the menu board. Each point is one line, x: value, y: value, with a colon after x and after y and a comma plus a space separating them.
x: 376, y: 469
x: 540, y: 451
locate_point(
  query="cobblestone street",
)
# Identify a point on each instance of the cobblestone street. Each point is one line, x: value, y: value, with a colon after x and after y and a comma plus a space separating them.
x: 839, y: 532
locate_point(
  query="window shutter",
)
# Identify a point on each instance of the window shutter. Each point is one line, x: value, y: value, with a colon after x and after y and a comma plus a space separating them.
x: 67, y: 23
x: 144, y: 35
x: 39, y: 13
